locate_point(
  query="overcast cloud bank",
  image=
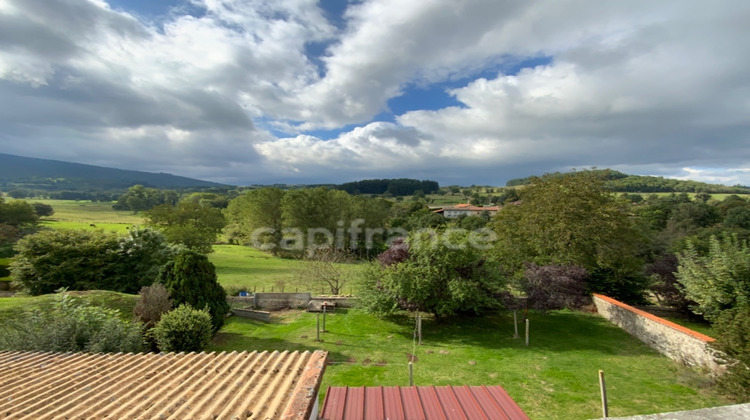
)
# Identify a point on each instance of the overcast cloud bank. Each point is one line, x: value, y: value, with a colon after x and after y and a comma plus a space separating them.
x: 245, y: 92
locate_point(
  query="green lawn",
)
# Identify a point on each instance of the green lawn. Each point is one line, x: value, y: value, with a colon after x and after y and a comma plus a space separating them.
x: 554, y: 378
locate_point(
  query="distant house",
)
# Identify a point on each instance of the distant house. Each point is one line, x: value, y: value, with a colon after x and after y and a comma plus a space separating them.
x: 277, y: 385
x: 453, y: 212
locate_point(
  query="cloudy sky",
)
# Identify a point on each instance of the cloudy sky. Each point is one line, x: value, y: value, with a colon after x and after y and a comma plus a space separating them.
x: 459, y: 91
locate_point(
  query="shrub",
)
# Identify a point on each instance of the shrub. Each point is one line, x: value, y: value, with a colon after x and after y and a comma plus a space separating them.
x: 183, y: 329
x: 733, y: 339
x: 191, y: 278
x: 444, y: 277
x: 550, y: 287
x: 153, y: 301
x: 71, y: 326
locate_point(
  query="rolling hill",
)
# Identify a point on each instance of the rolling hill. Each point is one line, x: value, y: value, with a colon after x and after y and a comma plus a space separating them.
x: 54, y: 175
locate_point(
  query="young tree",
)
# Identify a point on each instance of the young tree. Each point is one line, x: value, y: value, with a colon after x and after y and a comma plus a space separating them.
x: 191, y: 278
x: 323, y: 269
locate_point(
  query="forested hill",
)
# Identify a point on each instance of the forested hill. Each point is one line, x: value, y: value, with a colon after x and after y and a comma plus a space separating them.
x: 395, y: 187
x: 621, y: 182
x: 55, y: 175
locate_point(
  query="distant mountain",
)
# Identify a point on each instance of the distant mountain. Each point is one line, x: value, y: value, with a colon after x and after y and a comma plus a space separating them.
x: 54, y: 175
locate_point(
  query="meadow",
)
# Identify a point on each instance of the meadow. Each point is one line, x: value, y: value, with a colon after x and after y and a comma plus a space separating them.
x: 89, y: 215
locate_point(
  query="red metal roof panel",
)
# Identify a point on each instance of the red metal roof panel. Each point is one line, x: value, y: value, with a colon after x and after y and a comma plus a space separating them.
x: 392, y: 404
x: 420, y: 403
x: 431, y: 403
x: 374, y: 402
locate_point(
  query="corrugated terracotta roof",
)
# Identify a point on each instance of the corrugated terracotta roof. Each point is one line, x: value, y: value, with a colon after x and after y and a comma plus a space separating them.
x: 165, y: 386
x: 420, y: 403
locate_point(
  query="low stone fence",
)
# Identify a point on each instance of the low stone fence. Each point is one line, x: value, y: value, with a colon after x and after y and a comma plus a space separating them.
x: 253, y: 314
x: 277, y: 301
x: 674, y: 341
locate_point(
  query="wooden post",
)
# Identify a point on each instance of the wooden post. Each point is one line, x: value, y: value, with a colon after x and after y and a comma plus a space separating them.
x: 515, y: 323
x: 324, y: 317
x: 419, y: 328
x: 317, y: 326
x: 411, y: 374
x: 603, y: 388
x: 527, y: 332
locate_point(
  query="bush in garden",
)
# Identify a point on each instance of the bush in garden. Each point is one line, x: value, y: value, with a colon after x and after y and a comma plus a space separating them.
x: 153, y: 301
x: 183, y: 329
x: 73, y: 326
x: 552, y: 286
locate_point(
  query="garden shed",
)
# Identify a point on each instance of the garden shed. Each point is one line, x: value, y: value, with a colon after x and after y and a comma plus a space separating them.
x: 247, y: 385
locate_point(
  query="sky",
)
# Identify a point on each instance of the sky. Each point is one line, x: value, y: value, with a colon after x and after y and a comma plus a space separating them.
x: 458, y: 91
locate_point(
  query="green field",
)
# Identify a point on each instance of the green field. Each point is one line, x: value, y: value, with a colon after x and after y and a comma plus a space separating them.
x: 244, y: 267
x: 70, y: 214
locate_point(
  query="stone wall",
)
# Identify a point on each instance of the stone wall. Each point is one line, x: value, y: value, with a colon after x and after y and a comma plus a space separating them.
x: 674, y: 341
x: 253, y: 314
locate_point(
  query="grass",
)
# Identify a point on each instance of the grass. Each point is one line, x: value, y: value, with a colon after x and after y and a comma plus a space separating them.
x: 70, y: 214
x: 554, y: 378
x: 701, y: 327
x: 241, y: 266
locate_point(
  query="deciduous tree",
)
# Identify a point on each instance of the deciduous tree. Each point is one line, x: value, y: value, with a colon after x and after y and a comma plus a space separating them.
x: 189, y: 224
x: 571, y: 219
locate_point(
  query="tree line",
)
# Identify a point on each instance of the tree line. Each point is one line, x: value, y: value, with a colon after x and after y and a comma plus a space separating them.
x: 620, y: 182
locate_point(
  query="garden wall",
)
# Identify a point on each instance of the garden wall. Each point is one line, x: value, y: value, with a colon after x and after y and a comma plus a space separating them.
x: 253, y: 314
x: 674, y: 341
